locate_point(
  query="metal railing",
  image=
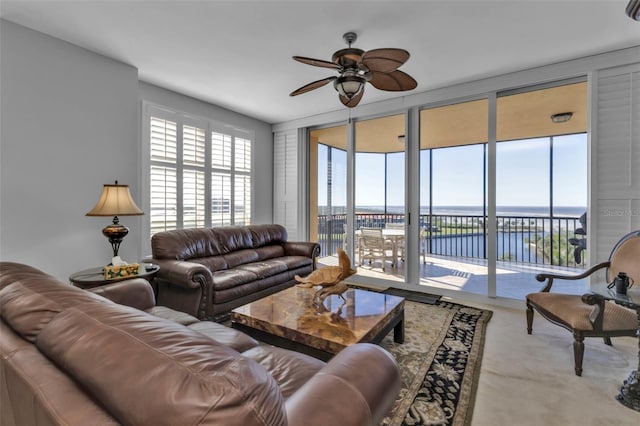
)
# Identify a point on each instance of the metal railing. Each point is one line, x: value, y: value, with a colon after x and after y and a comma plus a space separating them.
x: 520, y: 239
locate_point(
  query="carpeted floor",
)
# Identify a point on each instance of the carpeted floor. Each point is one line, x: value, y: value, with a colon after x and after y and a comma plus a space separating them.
x: 440, y: 363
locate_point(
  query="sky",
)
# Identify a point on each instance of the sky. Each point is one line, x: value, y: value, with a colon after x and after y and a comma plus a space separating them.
x: 522, y: 172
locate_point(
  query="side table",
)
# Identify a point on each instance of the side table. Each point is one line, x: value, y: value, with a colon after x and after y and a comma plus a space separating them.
x: 630, y: 390
x: 94, y: 277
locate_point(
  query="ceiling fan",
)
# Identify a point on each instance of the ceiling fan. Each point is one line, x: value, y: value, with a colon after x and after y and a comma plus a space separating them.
x: 357, y: 67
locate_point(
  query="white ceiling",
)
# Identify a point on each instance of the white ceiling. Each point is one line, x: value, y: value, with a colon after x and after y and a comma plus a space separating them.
x: 237, y: 54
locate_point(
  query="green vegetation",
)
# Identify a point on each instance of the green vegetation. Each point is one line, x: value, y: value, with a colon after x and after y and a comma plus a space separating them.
x: 555, y: 248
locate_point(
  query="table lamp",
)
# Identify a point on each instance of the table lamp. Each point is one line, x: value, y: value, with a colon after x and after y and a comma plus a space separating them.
x: 115, y: 201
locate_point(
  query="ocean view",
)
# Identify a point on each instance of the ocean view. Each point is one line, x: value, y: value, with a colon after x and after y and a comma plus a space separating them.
x: 526, y: 211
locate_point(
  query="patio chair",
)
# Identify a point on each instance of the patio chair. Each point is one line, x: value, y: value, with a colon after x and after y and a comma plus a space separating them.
x: 590, y: 315
x: 399, y: 241
x: 373, y: 246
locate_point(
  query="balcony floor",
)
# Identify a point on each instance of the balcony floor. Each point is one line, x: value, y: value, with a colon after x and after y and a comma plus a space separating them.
x: 513, y: 280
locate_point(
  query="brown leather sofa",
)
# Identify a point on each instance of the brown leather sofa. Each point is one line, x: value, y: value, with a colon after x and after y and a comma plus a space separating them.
x: 74, y: 357
x: 206, y: 272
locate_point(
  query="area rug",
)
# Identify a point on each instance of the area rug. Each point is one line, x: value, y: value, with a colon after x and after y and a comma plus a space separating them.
x: 439, y: 363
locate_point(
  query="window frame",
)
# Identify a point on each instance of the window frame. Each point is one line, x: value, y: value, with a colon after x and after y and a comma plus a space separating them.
x: 234, y: 173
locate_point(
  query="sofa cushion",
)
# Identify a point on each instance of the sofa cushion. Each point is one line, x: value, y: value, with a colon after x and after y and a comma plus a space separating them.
x: 290, y: 369
x: 12, y: 272
x: 146, y: 370
x: 240, y: 257
x: 264, y: 269
x: 270, y: 252
x: 232, y: 278
x: 295, y: 262
x: 39, y: 392
x: 213, y: 263
x: 233, y: 238
x: 29, y: 303
x: 172, y: 315
x: 26, y: 311
x: 268, y: 234
x: 230, y: 337
x: 185, y: 244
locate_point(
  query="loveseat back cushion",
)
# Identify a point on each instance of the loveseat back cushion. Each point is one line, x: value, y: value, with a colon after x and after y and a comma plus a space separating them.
x: 268, y: 234
x: 26, y: 311
x: 33, y: 298
x: 146, y: 370
x: 35, y: 392
x: 12, y: 271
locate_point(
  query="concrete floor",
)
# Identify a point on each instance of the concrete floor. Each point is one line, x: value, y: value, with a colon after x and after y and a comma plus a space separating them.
x: 467, y: 275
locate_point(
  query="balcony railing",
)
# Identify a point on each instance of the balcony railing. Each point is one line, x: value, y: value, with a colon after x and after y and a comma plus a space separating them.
x: 520, y: 239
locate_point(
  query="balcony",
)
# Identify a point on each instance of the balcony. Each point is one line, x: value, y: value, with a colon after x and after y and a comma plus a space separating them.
x: 453, y: 251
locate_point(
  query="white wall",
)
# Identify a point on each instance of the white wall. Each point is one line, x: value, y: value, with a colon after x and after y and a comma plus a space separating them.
x: 69, y: 124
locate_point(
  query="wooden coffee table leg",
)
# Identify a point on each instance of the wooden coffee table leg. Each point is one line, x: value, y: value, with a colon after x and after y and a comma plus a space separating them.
x: 398, y: 331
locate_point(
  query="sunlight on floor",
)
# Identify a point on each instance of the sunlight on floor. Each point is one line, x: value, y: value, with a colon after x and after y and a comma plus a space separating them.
x: 514, y: 281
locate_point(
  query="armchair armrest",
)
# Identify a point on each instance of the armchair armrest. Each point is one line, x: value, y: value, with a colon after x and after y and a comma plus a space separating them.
x: 136, y: 292
x: 550, y: 277
x: 303, y: 248
x: 345, y: 392
x: 596, y: 317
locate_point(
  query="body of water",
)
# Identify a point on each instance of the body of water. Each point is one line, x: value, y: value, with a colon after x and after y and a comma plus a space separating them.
x: 564, y: 211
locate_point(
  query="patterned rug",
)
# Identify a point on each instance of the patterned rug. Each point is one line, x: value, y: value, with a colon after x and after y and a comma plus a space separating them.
x: 439, y: 362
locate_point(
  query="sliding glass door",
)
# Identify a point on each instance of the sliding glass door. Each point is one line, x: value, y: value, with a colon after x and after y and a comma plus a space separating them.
x: 497, y: 200
x: 453, y: 140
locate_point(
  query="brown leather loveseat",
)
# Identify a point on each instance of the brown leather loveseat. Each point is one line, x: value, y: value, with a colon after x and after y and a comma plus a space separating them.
x: 207, y: 272
x: 73, y: 357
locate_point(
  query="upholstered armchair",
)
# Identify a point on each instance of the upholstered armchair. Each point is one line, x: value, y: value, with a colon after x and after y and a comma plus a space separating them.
x: 590, y: 315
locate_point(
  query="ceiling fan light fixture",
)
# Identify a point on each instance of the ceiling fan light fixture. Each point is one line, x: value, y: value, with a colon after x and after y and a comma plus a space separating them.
x: 561, y: 117
x: 349, y: 85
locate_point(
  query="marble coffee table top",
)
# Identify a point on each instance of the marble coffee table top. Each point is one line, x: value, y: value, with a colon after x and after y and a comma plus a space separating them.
x: 331, y: 326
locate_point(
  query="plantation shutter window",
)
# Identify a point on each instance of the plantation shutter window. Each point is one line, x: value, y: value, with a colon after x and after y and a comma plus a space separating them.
x: 199, y: 172
x: 163, y: 191
x: 220, y: 199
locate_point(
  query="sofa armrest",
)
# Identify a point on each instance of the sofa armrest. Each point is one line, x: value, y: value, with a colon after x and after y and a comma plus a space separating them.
x: 136, y: 292
x: 183, y: 273
x: 357, y: 387
x: 185, y: 286
x: 303, y: 248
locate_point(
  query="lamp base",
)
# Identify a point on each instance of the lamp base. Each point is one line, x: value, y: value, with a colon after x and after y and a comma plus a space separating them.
x: 115, y: 233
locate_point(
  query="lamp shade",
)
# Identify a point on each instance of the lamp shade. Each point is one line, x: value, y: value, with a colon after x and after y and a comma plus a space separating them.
x: 115, y: 200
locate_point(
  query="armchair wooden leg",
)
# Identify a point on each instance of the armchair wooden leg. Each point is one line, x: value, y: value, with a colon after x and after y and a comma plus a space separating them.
x: 607, y: 340
x: 529, y: 319
x: 578, y: 352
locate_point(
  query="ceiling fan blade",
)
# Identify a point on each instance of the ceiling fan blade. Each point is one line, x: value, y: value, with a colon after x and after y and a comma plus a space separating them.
x: 396, y: 81
x: 316, y: 62
x: 353, y: 101
x: 385, y: 60
x: 313, y: 85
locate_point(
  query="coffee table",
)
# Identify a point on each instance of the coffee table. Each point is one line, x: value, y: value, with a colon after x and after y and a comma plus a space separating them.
x: 293, y: 319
